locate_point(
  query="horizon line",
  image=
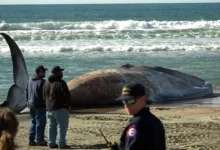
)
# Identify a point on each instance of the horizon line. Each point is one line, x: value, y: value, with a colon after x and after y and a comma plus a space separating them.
x: 108, y: 3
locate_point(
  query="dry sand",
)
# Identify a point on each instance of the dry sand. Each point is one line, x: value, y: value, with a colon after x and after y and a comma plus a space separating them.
x: 186, y: 128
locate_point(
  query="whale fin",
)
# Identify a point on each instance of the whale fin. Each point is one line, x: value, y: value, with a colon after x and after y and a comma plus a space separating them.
x: 4, y: 104
x: 16, y: 99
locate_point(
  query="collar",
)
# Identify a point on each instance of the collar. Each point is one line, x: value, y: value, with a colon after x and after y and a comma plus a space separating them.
x: 143, y: 111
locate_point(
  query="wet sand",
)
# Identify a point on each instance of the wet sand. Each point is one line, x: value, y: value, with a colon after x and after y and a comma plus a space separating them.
x: 189, y: 125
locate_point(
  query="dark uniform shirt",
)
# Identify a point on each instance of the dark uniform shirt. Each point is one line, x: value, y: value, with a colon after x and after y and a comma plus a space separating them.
x: 144, y: 132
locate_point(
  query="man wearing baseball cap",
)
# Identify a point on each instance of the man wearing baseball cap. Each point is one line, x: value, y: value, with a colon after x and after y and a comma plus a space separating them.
x: 57, y: 98
x: 145, y: 130
x: 37, y: 107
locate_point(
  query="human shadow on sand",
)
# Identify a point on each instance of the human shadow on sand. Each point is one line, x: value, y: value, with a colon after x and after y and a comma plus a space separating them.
x: 93, y: 147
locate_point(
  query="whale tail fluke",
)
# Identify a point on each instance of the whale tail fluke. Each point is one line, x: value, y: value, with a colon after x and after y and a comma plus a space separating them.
x: 4, y: 104
x: 16, y: 98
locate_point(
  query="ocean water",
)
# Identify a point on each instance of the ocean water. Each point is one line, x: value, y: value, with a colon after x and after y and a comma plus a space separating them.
x: 84, y: 38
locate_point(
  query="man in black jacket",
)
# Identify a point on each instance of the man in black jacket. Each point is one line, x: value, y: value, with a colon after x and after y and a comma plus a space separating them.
x: 37, y: 107
x: 57, y: 97
x: 145, y: 131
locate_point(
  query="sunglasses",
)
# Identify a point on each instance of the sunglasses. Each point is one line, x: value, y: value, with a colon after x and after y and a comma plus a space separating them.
x: 131, y: 102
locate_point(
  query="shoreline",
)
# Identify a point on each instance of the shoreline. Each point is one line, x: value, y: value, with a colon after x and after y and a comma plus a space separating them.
x: 212, y: 101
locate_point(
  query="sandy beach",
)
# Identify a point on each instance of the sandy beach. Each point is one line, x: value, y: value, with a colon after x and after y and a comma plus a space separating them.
x: 186, y: 128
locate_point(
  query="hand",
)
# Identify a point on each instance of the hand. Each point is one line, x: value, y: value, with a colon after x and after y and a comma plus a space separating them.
x: 113, y: 146
x: 30, y: 105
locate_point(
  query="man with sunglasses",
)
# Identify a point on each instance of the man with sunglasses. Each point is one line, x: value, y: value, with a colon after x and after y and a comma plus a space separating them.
x: 145, y: 131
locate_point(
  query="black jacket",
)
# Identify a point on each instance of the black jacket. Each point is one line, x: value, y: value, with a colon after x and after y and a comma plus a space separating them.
x: 144, y: 132
x: 56, y: 93
x: 35, y: 92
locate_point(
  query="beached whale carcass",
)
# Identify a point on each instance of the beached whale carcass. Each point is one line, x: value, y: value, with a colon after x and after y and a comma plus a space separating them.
x: 102, y: 87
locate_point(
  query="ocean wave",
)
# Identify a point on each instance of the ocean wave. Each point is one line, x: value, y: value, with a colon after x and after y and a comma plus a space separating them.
x: 36, y: 35
x: 112, y: 25
x: 41, y: 50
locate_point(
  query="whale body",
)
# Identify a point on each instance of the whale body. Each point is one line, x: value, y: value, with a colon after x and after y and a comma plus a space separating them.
x: 102, y: 87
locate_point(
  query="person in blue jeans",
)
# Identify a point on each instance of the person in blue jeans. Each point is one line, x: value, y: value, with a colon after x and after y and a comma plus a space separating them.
x: 57, y: 98
x: 37, y: 107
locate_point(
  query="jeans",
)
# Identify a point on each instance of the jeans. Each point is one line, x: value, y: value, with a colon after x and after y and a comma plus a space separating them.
x: 38, y: 123
x: 58, y: 122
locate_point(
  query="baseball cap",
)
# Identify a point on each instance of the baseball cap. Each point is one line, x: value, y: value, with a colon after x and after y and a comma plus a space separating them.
x: 56, y: 69
x: 40, y: 68
x: 131, y: 91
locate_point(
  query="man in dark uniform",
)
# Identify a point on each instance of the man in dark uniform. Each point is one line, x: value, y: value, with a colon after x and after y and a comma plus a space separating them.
x: 145, y: 131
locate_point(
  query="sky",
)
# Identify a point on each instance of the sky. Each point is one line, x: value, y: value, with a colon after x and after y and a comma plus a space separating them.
x: 100, y: 1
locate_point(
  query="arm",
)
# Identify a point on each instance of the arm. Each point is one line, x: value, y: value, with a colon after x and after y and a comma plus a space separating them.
x: 41, y: 89
x: 133, y: 138
x: 66, y: 93
x: 159, y: 138
x: 27, y: 90
x: 44, y: 93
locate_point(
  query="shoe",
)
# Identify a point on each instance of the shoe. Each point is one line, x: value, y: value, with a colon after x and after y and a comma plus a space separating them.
x: 55, y: 146
x: 32, y: 143
x: 65, y: 147
x: 42, y: 143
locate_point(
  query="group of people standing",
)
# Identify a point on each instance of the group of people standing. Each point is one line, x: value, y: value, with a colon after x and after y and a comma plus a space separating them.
x: 48, y: 99
x: 51, y: 99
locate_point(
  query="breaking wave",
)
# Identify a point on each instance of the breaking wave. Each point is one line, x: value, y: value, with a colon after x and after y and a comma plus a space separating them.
x: 109, y: 48
x: 112, y: 25
x: 36, y: 35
